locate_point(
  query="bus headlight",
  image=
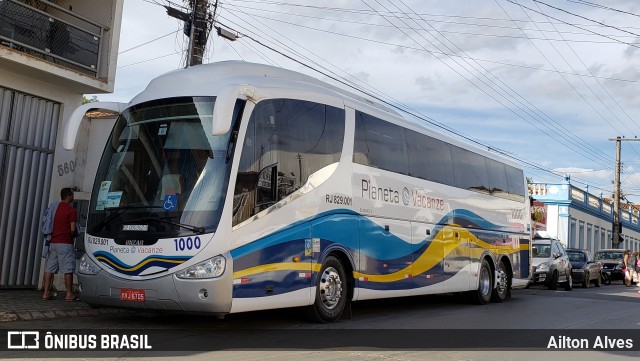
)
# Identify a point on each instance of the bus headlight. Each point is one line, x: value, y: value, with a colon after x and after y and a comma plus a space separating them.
x: 211, y: 268
x: 87, y: 267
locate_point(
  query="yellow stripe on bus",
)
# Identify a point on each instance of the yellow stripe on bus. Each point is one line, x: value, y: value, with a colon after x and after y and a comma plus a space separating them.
x: 284, y: 266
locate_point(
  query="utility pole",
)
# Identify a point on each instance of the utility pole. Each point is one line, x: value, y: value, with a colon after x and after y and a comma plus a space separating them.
x: 616, y: 240
x: 199, y: 31
x: 197, y: 25
x: 617, y: 226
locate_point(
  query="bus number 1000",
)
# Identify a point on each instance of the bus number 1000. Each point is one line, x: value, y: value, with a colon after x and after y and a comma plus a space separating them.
x: 188, y: 244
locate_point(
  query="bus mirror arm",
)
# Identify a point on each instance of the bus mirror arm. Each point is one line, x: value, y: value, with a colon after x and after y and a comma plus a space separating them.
x: 73, y: 123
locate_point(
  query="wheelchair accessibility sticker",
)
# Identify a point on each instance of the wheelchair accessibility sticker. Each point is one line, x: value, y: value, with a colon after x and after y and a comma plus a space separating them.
x: 170, y: 202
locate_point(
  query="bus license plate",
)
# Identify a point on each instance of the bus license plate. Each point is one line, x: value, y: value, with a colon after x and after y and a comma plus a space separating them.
x: 132, y: 295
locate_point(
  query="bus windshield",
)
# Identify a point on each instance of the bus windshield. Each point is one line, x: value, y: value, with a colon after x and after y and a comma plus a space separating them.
x: 162, y: 172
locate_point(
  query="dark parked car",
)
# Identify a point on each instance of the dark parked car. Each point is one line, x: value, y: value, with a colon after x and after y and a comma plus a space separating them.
x: 612, y: 262
x: 583, y: 268
x: 550, y: 262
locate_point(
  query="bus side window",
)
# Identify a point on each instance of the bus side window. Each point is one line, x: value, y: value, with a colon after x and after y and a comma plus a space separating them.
x: 286, y: 141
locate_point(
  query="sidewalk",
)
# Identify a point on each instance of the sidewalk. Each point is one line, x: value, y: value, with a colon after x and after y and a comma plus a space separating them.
x: 26, y: 305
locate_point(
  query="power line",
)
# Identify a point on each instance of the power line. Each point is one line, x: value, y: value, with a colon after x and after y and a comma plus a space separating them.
x: 504, y: 96
x: 414, y: 114
x: 147, y: 60
x: 543, y: 171
x: 597, y: 97
x: 585, y: 18
x: 522, y: 161
x: 567, y: 23
x: 441, y: 53
x: 601, y: 7
x: 390, y: 13
x: 149, y: 42
x: 313, y: 56
x: 234, y: 49
x: 566, y: 80
x: 419, y: 17
x: 588, y: 87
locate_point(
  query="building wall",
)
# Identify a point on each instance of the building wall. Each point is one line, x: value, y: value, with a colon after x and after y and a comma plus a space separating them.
x: 594, y: 223
x: 29, y: 181
x: 583, y: 220
x: 46, y: 84
x: 107, y: 13
x: 68, y: 100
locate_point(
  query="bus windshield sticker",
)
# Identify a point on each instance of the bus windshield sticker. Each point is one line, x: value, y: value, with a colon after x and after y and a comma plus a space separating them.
x: 102, y: 195
x: 113, y: 199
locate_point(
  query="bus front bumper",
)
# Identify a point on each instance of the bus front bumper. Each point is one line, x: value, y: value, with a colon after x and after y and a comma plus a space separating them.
x: 211, y: 295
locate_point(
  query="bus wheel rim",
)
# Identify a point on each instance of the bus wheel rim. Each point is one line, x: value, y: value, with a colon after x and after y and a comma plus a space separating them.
x: 502, y: 281
x: 330, y: 288
x: 485, y: 281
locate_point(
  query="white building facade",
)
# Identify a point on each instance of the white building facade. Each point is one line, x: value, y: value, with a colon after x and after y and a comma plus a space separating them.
x: 51, y: 53
x: 581, y: 219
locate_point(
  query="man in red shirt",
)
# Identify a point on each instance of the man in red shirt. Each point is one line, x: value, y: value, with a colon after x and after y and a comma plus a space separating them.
x: 62, y: 253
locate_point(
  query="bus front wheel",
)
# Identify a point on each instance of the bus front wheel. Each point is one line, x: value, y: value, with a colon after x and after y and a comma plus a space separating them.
x: 331, y: 291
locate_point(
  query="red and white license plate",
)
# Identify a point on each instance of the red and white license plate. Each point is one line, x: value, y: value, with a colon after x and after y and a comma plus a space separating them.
x: 131, y: 295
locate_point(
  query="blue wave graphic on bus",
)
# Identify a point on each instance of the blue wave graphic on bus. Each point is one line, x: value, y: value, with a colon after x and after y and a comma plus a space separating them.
x: 379, y: 252
x: 341, y: 230
x: 165, y: 262
x: 471, y: 219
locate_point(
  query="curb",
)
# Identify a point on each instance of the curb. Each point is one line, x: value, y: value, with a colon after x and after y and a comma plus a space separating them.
x: 8, y: 316
x: 33, y: 315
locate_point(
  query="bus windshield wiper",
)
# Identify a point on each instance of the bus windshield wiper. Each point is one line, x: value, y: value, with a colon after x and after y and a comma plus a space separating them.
x: 196, y: 229
x: 119, y: 211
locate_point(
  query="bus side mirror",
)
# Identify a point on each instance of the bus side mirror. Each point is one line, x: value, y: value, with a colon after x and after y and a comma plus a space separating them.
x: 223, y: 108
x: 73, y: 123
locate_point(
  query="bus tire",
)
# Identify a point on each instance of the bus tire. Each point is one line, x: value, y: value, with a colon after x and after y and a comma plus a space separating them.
x: 502, y: 290
x: 482, y: 295
x: 331, y: 291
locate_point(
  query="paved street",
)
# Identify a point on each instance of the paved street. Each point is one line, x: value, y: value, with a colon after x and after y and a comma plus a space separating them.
x: 609, y: 307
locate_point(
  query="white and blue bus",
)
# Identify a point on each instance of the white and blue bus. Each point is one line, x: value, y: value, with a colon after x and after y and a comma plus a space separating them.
x: 234, y: 187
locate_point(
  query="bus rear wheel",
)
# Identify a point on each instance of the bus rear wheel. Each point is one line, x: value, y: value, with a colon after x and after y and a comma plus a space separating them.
x: 502, y: 291
x: 331, y: 291
x: 482, y: 295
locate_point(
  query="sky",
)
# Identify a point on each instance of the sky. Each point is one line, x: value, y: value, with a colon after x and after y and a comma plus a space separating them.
x: 547, y: 82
